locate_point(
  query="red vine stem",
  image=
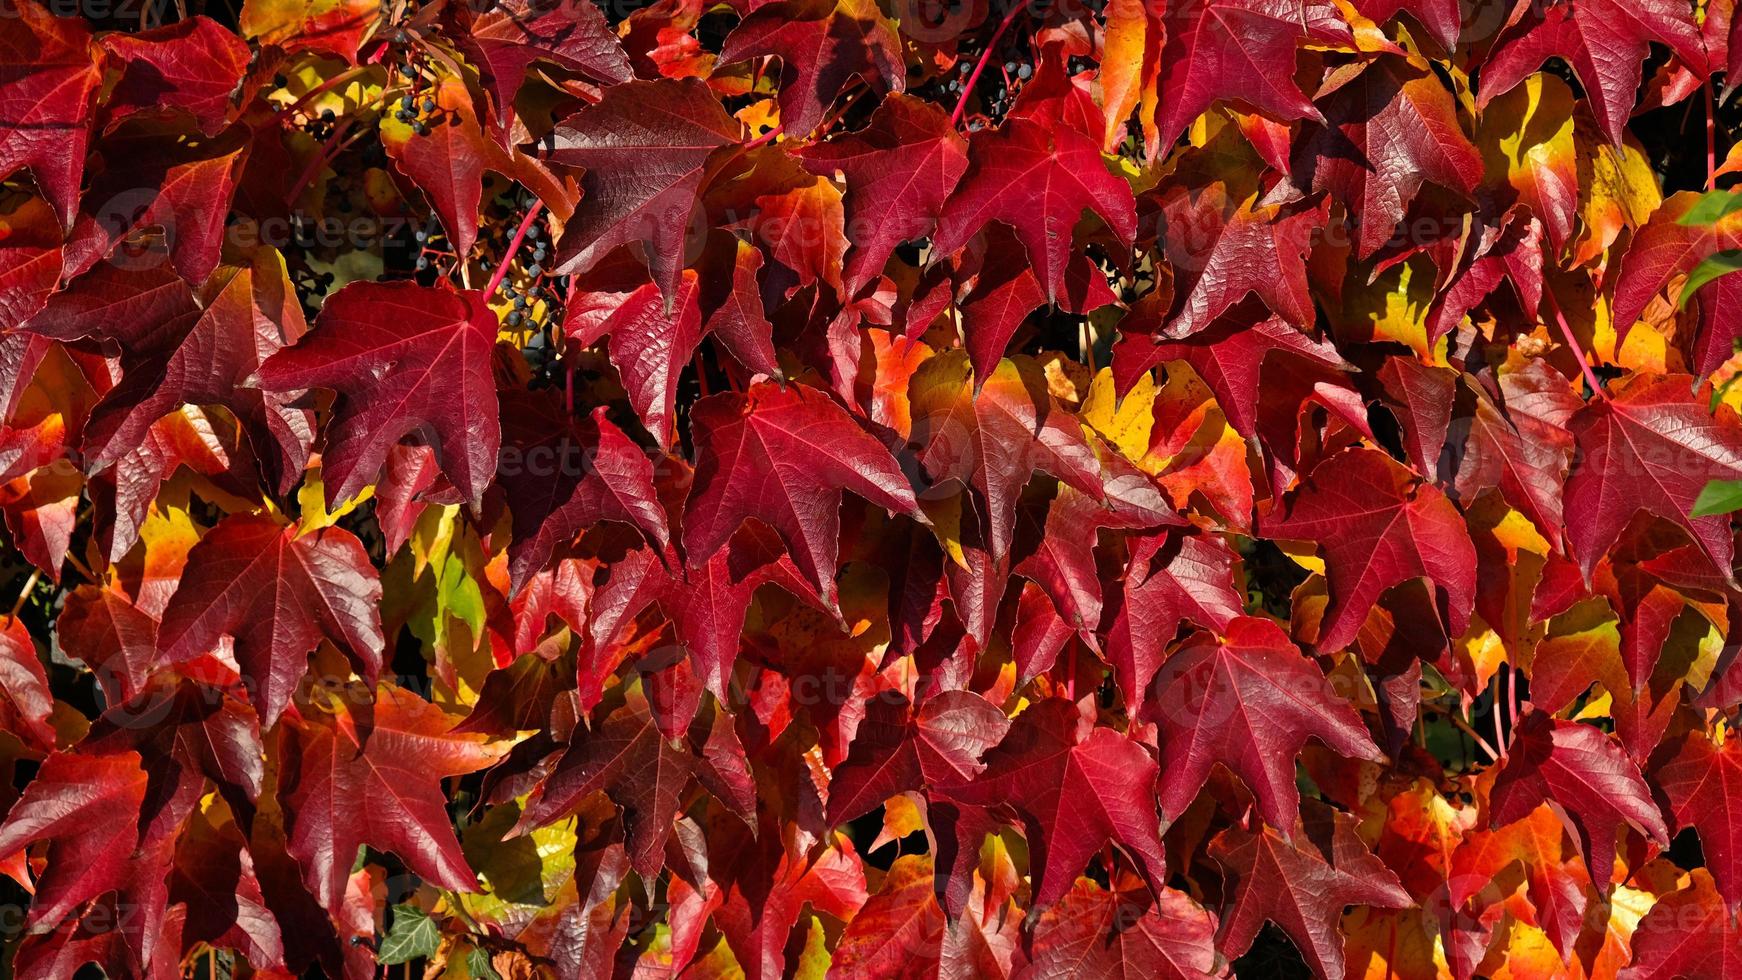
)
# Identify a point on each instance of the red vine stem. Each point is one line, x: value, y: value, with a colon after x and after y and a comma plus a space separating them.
x: 1578, y: 349
x: 1463, y: 726
x: 323, y: 88
x: 1711, y: 135
x: 329, y: 151
x: 701, y: 375
x: 980, y: 66
x: 762, y: 140
x: 513, y: 246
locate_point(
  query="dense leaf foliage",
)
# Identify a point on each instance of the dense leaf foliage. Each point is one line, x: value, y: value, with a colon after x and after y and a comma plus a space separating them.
x: 867, y: 488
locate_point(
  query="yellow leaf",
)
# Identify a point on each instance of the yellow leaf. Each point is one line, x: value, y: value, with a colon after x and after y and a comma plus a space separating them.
x: 519, y: 876
x: 295, y: 25
x: 1526, y: 139
x: 1130, y: 54
x: 311, y: 498
x: 1617, y: 190
x: 1126, y: 423
x: 813, y: 961
x: 1394, y: 306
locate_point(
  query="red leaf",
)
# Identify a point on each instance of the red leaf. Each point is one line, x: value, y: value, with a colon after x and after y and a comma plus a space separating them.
x: 1100, y: 933
x: 1444, y: 19
x: 1664, y: 250
x: 1585, y: 773
x: 652, y: 339
x: 1225, y: 52
x: 1659, y: 440
x: 1701, y: 781
x: 193, y: 65
x: 1222, y: 250
x: 1038, y: 180
x: 87, y: 807
x: 403, y: 359
x: 372, y: 775
x: 508, y: 37
x: 899, y: 169
x: 51, y: 74
x: 275, y: 594
x: 1073, y: 793
x: 248, y: 314
x: 706, y: 604
x: 114, y: 637
x: 1420, y: 396
x: 822, y: 46
x: 625, y: 756
x: 1248, y: 701
x: 1378, y: 528
x: 182, y: 189
x: 995, y: 437
x: 646, y: 148
x: 1172, y: 579
x: 1509, y: 252
x: 25, y: 700
x: 562, y: 475
x: 900, y: 932
x: 782, y: 455
x: 1603, y: 41
x: 1689, y: 934
x: 1301, y: 882
x: 1386, y: 131
x: 1228, y: 356
x: 1526, y: 449
x: 898, y: 749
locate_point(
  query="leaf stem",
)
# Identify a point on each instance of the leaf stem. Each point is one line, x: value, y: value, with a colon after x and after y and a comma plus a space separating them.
x: 513, y: 246
x: 1711, y: 135
x: 323, y: 88
x: 329, y: 151
x: 1499, y: 712
x: 1578, y: 349
x: 1461, y: 725
x: 764, y: 139
x: 1071, y: 675
x: 24, y: 595
x: 980, y: 66
x: 701, y: 375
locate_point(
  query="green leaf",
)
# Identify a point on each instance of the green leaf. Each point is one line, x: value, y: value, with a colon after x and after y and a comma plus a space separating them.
x: 478, y: 965
x: 461, y: 596
x: 413, y: 935
x: 1712, y: 207
x: 1719, y: 497
x: 1720, y: 264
